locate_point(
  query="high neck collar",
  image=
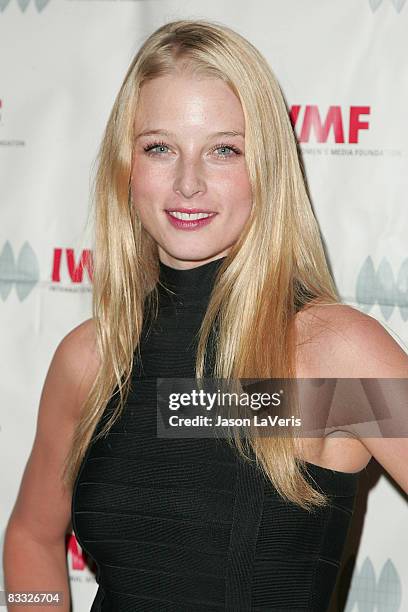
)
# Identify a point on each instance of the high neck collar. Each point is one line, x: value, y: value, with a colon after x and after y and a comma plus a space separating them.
x: 192, y: 285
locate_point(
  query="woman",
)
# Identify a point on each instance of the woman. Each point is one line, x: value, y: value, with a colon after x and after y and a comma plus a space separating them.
x: 208, y: 261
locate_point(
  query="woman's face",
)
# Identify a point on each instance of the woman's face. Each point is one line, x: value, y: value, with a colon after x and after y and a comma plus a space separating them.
x: 186, y: 166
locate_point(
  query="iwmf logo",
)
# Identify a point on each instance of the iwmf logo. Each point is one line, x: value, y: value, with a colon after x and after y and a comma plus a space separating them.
x: 346, y: 124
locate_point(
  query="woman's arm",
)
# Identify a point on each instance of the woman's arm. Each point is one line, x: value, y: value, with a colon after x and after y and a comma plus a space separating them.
x: 34, y: 547
x: 350, y: 345
x: 370, y: 352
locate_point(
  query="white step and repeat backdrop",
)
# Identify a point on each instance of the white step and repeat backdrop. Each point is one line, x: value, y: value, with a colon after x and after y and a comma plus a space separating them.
x: 342, y: 66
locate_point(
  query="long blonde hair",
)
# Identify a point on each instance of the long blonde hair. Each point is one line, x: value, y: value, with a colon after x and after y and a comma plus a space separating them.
x: 269, y: 274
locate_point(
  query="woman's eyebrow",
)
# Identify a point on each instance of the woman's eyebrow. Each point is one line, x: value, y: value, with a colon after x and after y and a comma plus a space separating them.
x: 149, y: 131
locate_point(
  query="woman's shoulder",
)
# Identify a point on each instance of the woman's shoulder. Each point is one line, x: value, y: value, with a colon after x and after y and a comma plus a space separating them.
x: 77, y: 359
x: 84, y: 332
x: 79, y: 344
x: 338, y: 340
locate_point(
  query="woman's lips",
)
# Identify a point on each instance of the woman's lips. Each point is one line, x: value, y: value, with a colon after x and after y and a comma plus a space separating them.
x: 191, y: 224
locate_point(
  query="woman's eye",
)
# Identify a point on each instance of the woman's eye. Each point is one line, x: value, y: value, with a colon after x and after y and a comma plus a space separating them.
x: 157, y: 145
x: 224, y: 147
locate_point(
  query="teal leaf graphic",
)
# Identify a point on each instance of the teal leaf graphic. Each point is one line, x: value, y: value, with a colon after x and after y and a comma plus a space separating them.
x: 389, y: 589
x: 365, y: 286
x: 402, y: 286
x: 7, y: 270
x: 28, y: 272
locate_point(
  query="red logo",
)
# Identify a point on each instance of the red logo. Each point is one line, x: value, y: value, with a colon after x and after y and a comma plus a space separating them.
x: 79, y: 559
x: 74, y: 265
x: 335, y: 122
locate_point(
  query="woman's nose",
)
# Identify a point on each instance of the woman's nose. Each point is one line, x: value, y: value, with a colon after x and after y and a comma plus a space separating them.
x: 189, y: 178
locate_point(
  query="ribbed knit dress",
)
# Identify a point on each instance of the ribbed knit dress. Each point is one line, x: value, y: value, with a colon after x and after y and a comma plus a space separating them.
x: 186, y: 525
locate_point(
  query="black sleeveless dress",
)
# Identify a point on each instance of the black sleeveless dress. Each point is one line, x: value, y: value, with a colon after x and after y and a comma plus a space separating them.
x: 186, y: 525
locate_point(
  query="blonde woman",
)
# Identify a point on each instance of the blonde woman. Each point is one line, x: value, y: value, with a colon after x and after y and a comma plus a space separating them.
x: 205, y: 246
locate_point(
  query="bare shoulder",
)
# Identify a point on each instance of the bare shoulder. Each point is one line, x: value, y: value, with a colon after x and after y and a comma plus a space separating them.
x: 80, y: 338
x: 77, y: 357
x: 70, y: 376
x: 337, y: 340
